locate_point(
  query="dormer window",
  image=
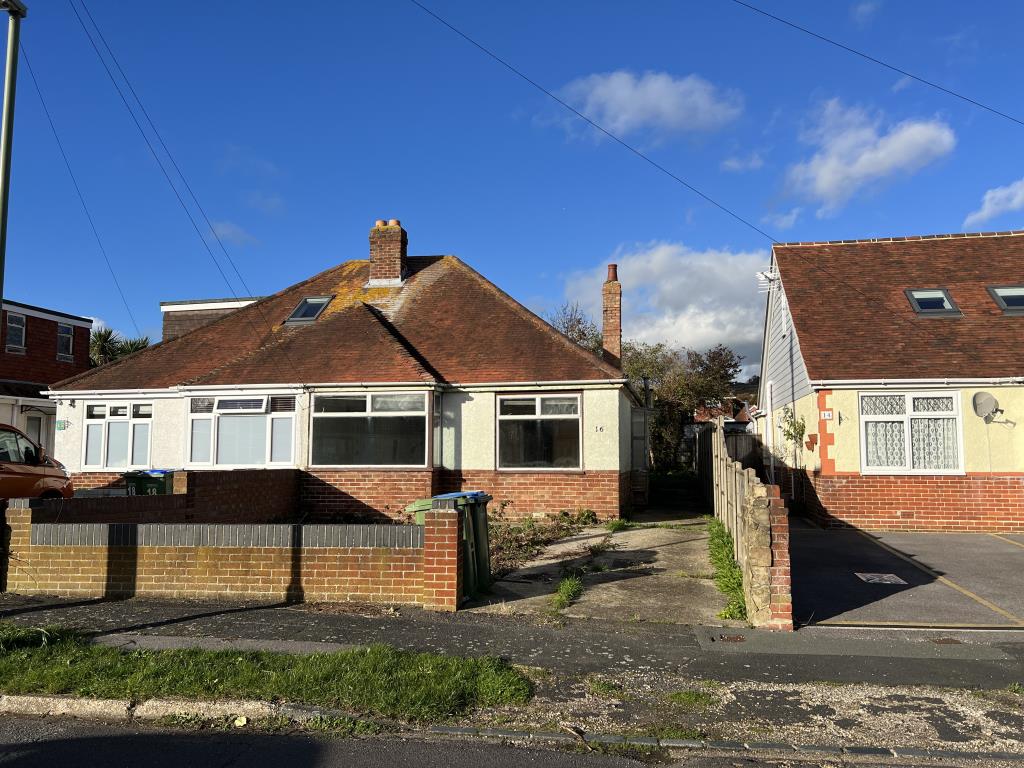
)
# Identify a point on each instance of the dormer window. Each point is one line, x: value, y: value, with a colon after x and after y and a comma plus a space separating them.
x: 309, y: 309
x: 932, y: 301
x: 1010, y: 298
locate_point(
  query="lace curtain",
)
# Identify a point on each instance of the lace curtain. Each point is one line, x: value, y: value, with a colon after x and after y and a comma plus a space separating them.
x: 884, y: 443
x: 933, y: 444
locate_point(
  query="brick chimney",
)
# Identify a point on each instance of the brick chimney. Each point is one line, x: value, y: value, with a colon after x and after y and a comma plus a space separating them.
x: 611, y: 317
x: 389, y: 244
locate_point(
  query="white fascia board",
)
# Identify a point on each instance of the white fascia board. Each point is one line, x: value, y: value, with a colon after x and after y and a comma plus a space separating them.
x: 200, y: 306
x: 111, y: 394
x: 914, y: 383
x: 505, y: 385
x: 14, y: 309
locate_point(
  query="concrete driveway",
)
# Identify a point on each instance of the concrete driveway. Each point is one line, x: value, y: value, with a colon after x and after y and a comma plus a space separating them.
x: 652, y: 572
x: 949, y: 580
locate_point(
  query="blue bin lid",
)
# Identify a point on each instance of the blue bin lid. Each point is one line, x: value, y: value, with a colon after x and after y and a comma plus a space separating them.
x: 475, y: 495
x: 158, y: 472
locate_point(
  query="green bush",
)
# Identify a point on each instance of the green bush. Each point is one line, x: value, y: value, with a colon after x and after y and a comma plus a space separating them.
x: 728, y: 576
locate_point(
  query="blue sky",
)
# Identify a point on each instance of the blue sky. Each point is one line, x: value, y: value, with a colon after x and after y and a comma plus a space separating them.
x: 297, y: 126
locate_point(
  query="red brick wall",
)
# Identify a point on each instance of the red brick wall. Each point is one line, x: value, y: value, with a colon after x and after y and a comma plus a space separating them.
x: 40, y: 363
x: 91, y: 480
x: 974, y: 502
x: 781, y: 604
x: 535, y: 493
x: 430, y: 576
x: 361, y: 494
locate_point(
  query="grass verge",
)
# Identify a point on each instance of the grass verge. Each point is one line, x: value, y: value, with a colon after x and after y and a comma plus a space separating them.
x: 728, y: 576
x: 569, y: 589
x: 379, y: 679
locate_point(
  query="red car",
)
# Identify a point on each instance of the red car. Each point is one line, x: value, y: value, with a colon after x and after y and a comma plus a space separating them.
x: 27, y: 472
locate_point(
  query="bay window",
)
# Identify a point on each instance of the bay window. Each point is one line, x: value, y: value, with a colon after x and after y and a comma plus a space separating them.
x: 241, y: 431
x: 367, y: 430
x: 117, y: 435
x: 539, y: 432
x: 911, y: 433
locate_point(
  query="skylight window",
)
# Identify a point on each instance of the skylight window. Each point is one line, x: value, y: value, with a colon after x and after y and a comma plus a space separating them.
x: 1010, y: 298
x: 932, y: 301
x: 309, y: 309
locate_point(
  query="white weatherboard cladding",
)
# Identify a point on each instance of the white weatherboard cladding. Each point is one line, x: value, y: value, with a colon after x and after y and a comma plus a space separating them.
x: 783, y: 364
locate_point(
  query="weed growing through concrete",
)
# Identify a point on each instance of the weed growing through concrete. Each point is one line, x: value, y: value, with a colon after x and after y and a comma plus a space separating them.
x: 569, y: 590
x: 604, y: 688
x: 602, y: 546
x: 728, y: 576
x: 513, y: 543
x: 618, y: 524
x: 1017, y: 688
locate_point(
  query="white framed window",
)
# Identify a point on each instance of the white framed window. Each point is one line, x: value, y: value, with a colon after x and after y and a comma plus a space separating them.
x: 388, y: 429
x: 65, y: 343
x: 540, y: 432
x: 308, y: 309
x: 911, y: 433
x: 118, y: 435
x: 241, y: 431
x: 15, y: 333
x: 1009, y: 298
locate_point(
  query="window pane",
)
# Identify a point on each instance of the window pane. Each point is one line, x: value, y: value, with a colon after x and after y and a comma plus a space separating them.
x: 884, y: 444
x: 526, y: 407
x: 557, y: 406
x: 65, y: 338
x: 883, y: 405
x: 931, y: 299
x: 142, y: 411
x: 140, y: 444
x: 547, y: 443
x: 342, y: 404
x: 202, y: 405
x: 9, y: 449
x: 201, y: 429
x: 34, y: 428
x: 382, y: 440
x: 933, y: 444
x: 93, y: 444
x: 15, y: 331
x: 1012, y: 297
x: 242, y: 439
x: 95, y: 411
x: 117, y: 444
x: 308, y: 309
x: 385, y: 403
x: 933, y: 404
x: 281, y: 440
x: 119, y: 410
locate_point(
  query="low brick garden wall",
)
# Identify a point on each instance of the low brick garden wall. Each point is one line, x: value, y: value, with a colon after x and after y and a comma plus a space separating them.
x: 418, y: 565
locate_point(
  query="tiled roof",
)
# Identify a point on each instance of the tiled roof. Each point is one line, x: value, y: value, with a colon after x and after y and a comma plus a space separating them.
x: 445, y: 323
x: 853, y: 319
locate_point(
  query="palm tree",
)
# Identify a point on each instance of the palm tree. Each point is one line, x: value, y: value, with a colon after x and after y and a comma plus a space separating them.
x: 104, y: 344
x: 107, y: 345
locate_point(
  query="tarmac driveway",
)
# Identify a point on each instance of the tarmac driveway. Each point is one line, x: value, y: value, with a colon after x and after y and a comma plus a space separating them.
x: 948, y: 580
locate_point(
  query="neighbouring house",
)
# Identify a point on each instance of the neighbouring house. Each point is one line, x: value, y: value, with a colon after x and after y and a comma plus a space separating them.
x: 381, y: 380
x: 38, y: 347
x: 901, y: 360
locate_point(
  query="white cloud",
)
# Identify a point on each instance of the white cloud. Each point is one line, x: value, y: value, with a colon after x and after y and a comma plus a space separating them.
x: 267, y: 202
x: 98, y: 323
x: 782, y: 220
x: 624, y: 102
x: 902, y: 84
x: 229, y: 232
x: 686, y: 297
x: 855, y: 152
x: 751, y: 162
x: 864, y: 11
x: 997, y: 201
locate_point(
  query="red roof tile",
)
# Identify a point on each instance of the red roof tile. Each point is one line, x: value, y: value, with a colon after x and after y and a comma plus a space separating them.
x: 853, y: 320
x: 445, y: 323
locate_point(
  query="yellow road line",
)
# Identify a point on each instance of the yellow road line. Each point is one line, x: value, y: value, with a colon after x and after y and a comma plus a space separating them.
x: 942, y: 579
x: 1008, y: 541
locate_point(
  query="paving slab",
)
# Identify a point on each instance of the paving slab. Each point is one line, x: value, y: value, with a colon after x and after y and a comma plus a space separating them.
x: 826, y: 587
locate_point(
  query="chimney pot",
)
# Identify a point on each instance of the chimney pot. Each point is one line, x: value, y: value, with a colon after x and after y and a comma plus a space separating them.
x: 611, y: 317
x: 394, y: 223
x: 379, y: 223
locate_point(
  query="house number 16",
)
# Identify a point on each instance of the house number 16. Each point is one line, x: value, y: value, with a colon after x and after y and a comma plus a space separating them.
x: 599, y: 429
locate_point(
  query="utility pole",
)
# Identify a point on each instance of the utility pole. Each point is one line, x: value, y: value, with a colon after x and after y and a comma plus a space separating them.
x: 17, y: 11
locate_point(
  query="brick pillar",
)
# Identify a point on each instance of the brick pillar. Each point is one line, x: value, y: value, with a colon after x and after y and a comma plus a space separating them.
x: 442, y: 559
x: 15, y: 540
x: 781, y: 603
x: 611, y: 317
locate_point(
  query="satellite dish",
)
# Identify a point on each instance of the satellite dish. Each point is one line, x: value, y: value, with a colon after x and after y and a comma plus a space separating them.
x: 986, y: 406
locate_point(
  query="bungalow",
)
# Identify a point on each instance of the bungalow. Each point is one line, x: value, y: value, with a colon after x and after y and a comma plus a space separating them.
x: 892, y: 380
x: 381, y: 381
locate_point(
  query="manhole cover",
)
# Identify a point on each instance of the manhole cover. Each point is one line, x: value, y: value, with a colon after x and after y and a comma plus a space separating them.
x: 880, y: 578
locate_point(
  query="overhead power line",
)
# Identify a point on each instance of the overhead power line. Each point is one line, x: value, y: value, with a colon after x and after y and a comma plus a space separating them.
x: 78, y: 189
x: 880, y: 62
x: 594, y: 124
x: 808, y: 261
